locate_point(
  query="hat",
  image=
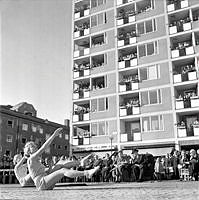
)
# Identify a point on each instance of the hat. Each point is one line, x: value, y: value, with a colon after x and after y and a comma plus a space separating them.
x: 134, y: 150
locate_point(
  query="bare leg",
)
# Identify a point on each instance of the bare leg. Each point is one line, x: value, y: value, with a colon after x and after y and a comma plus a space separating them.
x: 54, y: 177
x: 65, y: 164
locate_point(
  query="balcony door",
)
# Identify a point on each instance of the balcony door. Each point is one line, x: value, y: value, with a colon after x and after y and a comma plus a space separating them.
x: 189, y: 122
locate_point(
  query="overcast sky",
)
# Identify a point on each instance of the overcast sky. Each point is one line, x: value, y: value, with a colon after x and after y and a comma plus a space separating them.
x: 36, y: 56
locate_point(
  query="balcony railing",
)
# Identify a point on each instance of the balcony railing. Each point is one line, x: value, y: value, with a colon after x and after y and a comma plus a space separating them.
x: 182, y: 131
x: 181, y: 77
x: 127, y: 38
x: 81, y: 12
x: 83, y: 52
x: 130, y: 108
x: 129, y: 84
x: 128, y: 137
x: 187, y: 102
x: 182, y: 49
x: 128, y: 61
x: 175, y: 5
x: 81, y: 117
x: 180, y: 26
x: 81, y: 94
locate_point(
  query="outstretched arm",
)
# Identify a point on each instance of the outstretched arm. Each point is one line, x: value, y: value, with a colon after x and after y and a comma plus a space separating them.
x: 48, y: 142
x: 19, y: 164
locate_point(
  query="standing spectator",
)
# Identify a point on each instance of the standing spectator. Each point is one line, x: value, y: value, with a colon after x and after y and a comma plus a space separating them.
x: 138, y: 165
x: 194, y: 165
x: 159, y: 169
x: 107, y: 162
x: 174, y: 164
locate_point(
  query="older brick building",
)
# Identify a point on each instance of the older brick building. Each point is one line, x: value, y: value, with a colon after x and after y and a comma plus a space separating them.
x: 19, y: 124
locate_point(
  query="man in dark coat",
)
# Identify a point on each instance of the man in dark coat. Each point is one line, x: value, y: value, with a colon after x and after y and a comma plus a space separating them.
x: 138, y: 163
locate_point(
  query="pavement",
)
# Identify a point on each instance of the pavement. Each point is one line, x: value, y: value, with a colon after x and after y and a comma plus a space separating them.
x: 175, y: 190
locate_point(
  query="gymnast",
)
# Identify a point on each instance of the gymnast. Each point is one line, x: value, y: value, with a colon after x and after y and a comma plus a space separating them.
x: 46, y: 180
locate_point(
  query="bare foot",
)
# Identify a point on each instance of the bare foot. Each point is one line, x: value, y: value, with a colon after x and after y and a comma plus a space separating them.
x: 83, y: 160
x: 91, y: 172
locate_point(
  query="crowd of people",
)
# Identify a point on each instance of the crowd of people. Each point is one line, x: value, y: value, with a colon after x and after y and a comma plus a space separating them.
x: 30, y: 169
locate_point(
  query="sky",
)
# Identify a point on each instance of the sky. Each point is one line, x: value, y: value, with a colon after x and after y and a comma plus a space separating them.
x: 35, y: 55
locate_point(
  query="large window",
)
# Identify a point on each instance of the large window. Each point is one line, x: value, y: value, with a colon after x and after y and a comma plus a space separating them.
x: 99, y: 128
x: 150, y: 72
x: 146, y: 26
x: 95, y: 3
x: 99, y: 83
x: 148, y: 49
x: 98, y: 105
x: 152, y: 123
x: 151, y: 97
x: 98, y: 19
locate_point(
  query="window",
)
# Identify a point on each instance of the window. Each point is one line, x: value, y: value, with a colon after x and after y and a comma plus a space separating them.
x: 9, y: 138
x: 41, y: 130
x: 65, y: 147
x: 23, y: 140
x: 34, y: 128
x: 99, y: 60
x: 99, y: 40
x: 99, y: 129
x: 95, y: 3
x: 150, y: 72
x: 152, y: 123
x: 66, y: 137
x: 148, y: 49
x: 24, y: 127
x: 59, y: 146
x: 146, y: 26
x: 10, y: 123
x: 99, y: 83
x: 98, y: 105
x: 98, y: 19
x: 151, y: 97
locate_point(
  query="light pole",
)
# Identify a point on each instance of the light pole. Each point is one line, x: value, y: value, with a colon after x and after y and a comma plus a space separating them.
x: 111, y: 139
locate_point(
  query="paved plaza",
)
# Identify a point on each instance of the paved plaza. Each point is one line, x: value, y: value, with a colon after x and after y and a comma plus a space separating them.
x: 107, y: 191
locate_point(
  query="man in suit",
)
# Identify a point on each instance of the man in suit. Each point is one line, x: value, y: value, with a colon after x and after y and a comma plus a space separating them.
x: 138, y: 164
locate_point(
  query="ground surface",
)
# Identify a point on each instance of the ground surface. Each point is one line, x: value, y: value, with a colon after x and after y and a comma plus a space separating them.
x: 107, y: 191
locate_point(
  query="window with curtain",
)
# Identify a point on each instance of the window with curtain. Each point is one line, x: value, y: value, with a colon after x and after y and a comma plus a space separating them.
x: 145, y: 99
x: 154, y: 123
x: 94, y: 129
x: 145, y: 124
x: 102, y: 130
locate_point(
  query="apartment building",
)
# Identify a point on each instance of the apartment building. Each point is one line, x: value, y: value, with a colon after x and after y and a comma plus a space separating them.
x: 20, y: 124
x: 135, y: 75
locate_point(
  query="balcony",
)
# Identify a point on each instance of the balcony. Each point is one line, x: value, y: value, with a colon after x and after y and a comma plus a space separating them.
x: 186, y: 73
x: 127, y: 59
x: 129, y: 83
x: 82, y: 30
x: 182, y: 131
x: 79, y: 140
x: 81, y: 70
x: 182, y: 49
x: 81, y: 10
x: 130, y: 107
x: 81, y: 113
x: 187, y: 101
x: 126, y: 15
x: 180, y: 26
x: 128, y: 137
x: 175, y: 5
x: 126, y: 38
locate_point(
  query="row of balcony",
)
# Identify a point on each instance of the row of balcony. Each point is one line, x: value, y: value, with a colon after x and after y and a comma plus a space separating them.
x: 132, y: 107
x: 131, y: 137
